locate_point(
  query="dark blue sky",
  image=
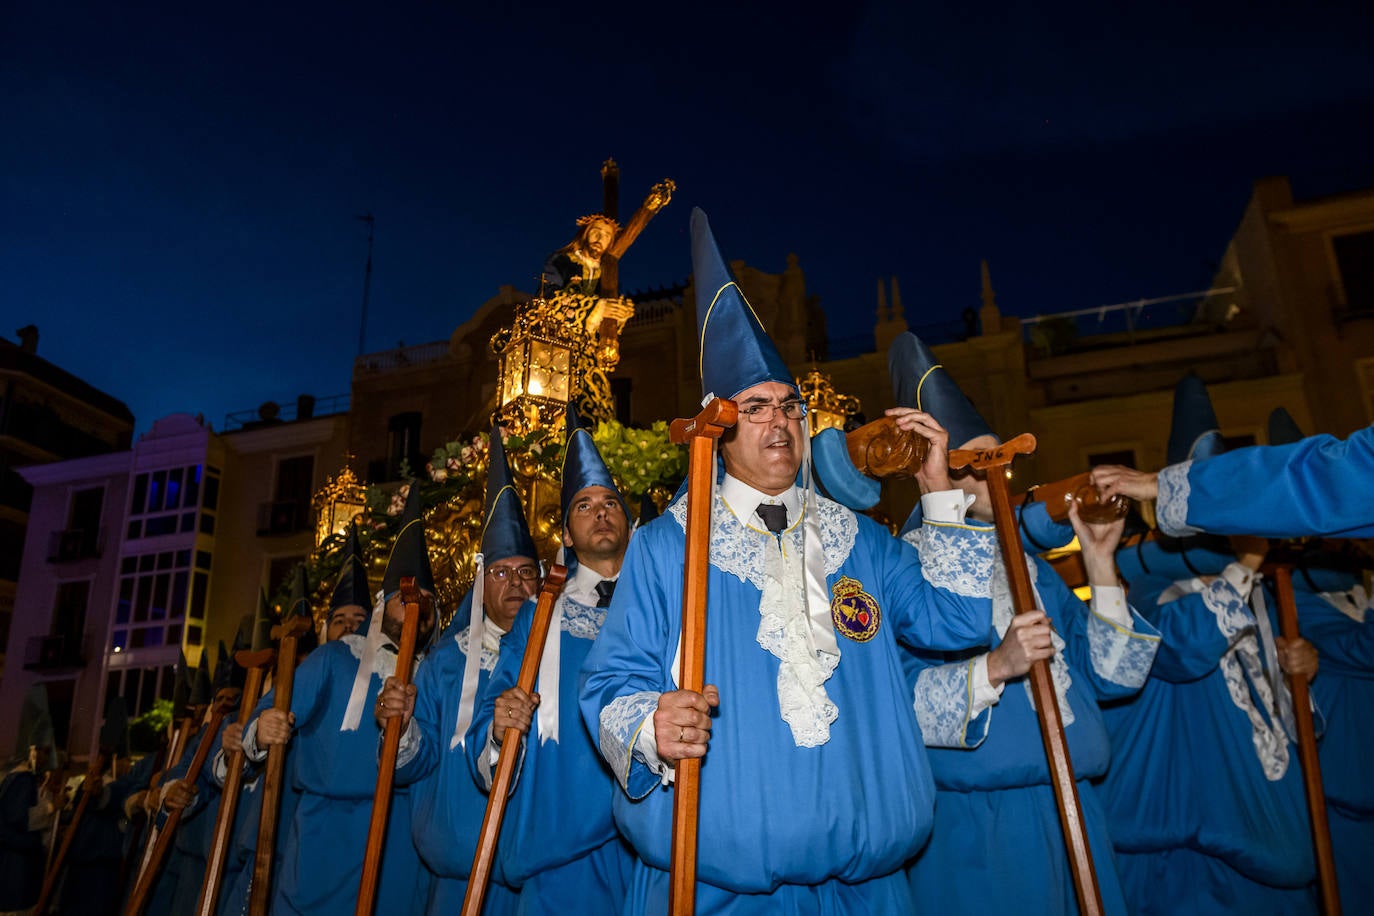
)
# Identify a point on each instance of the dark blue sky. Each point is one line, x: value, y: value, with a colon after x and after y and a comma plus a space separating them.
x: 178, y: 183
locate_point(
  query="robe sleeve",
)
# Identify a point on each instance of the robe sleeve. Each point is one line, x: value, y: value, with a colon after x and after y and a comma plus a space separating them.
x: 625, y: 672
x: 424, y: 738
x: 1336, y: 636
x: 946, y: 707
x: 1314, y: 486
x: 1115, y: 659
x: 938, y: 582
x: 309, y: 698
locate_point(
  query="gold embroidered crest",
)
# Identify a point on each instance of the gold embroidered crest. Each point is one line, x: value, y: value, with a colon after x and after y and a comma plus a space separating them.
x: 855, y: 612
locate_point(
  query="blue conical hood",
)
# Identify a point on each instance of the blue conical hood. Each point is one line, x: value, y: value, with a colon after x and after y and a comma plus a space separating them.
x: 583, y: 466
x: 837, y: 475
x: 114, y: 731
x: 1195, y: 434
x: 224, y: 670
x: 736, y: 352
x: 1283, y: 429
x: 648, y: 511
x: 409, y: 553
x: 504, y: 532
x: 181, y: 689
x: 1039, y: 532
x: 919, y: 381
x: 351, y: 588
x: 202, y: 690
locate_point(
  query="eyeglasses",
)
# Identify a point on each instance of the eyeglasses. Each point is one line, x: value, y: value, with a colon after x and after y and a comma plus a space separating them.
x: 763, y: 413
x: 503, y: 573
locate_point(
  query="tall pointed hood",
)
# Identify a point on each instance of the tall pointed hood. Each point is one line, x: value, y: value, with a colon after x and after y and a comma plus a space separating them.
x: 224, y: 671
x: 648, y: 511
x: 1195, y: 434
x: 409, y: 553
x: 300, y: 607
x: 114, y: 731
x: 504, y: 531
x: 736, y: 352
x: 351, y: 588
x: 920, y: 381
x: 261, y: 637
x: 202, y: 690
x: 583, y: 466
x: 181, y: 688
x: 1283, y: 429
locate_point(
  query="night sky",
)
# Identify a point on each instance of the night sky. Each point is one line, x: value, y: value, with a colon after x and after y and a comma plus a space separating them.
x: 179, y: 185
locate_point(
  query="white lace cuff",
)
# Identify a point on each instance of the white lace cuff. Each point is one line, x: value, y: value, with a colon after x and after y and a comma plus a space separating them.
x: 1121, y: 654
x: 411, y: 739
x: 943, y: 699
x: 1171, y: 503
x: 947, y: 506
x: 983, y: 694
x: 958, y: 559
x: 1109, y: 603
x: 646, y: 746
x: 250, y: 743
x: 622, y: 723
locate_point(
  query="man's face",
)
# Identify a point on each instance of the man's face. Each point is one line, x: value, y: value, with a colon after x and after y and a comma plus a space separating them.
x: 394, y: 617
x: 38, y: 757
x: 228, y: 696
x: 509, y: 583
x: 596, y: 527
x: 343, y: 621
x: 765, y: 455
x: 598, y: 238
x: 972, y: 485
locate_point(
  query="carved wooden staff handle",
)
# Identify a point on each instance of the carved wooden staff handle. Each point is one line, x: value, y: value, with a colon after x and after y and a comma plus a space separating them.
x: 480, y: 876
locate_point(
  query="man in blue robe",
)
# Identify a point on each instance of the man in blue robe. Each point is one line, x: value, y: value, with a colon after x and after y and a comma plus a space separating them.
x: 438, y: 709
x: 997, y: 843
x: 1204, y: 796
x: 28, y: 805
x: 335, y: 751
x: 558, y: 841
x: 815, y: 789
x: 1315, y: 486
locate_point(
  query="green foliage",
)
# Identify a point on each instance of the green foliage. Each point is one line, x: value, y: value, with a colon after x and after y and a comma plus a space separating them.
x: 146, y: 731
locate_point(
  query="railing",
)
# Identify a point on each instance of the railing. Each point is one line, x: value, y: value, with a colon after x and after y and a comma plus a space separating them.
x: 402, y: 358
x: 298, y: 408
x: 76, y: 544
x: 1057, y: 332
x: 284, y: 517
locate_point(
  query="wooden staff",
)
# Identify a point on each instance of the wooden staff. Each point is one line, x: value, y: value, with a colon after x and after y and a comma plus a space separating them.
x: 386, y: 763
x: 992, y: 461
x: 480, y: 876
x: 180, y: 738
x: 143, y: 889
x: 50, y: 879
x: 699, y: 434
x: 1307, y: 752
x: 288, y: 633
x: 256, y: 665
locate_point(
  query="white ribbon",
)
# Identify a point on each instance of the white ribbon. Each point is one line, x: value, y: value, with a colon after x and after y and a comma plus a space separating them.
x: 472, y: 665
x: 821, y: 632
x: 549, y: 676
x: 357, y: 697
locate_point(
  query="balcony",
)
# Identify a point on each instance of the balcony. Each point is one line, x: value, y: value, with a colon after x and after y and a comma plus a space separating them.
x: 284, y: 517
x: 75, y: 544
x: 54, y: 655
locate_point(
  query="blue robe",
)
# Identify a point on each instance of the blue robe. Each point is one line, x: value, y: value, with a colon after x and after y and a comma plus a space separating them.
x: 91, y: 883
x: 1204, y: 797
x: 321, y: 848
x: 22, y: 851
x: 1315, y: 486
x: 1344, y: 691
x: 783, y: 828
x: 558, y: 841
x: 448, y: 804
x: 997, y: 845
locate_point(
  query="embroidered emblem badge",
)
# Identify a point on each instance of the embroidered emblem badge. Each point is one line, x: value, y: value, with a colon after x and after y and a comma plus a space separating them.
x: 854, y: 611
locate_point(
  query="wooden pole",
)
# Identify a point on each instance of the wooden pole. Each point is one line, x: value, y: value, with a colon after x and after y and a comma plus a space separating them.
x: 143, y: 889
x: 993, y: 461
x: 386, y: 763
x: 700, y: 434
x: 480, y: 876
x: 1307, y: 753
x: 288, y: 633
x: 50, y: 878
x: 256, y: 665
x: 180, y: 738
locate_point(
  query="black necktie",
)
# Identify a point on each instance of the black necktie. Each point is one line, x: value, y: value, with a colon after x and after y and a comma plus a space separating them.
x: 604, y: 589
x: 774, y: 517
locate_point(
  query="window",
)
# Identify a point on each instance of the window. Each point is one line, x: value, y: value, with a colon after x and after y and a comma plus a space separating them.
x: 168, y: 497
x: 155, y: 599
x: 69, y: 611
x: 289, y: 512
x: 1355, y: 261
x: 403, y: 444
